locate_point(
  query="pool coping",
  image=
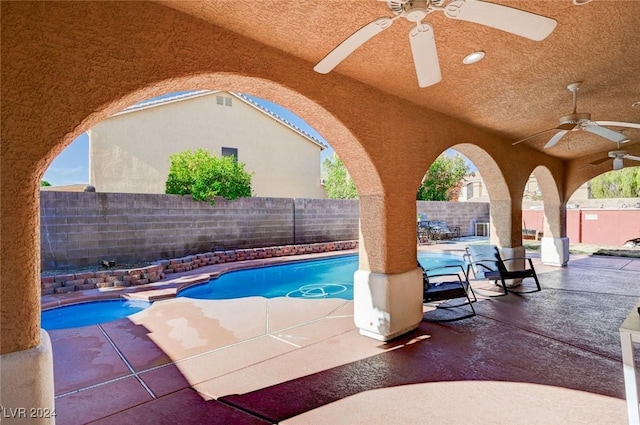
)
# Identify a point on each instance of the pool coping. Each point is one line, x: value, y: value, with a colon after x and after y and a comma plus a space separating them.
x: 170, y: 285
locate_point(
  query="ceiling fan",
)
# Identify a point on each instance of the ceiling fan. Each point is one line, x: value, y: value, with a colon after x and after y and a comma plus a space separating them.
x: 582, y: 121
x: 421, y: 39
x: 618, y: 158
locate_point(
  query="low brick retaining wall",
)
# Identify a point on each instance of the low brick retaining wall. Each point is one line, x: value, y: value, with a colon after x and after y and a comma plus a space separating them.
x: 69, y: 282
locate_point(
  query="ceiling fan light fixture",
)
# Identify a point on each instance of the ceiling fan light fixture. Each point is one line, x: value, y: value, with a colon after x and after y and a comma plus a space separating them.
x: 474, y: 57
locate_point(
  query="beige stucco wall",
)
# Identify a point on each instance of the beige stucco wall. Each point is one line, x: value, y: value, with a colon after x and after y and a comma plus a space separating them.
x: 129, y: 152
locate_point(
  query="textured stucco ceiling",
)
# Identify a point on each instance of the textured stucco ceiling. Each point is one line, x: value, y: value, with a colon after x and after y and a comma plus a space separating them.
x: 518, y: 89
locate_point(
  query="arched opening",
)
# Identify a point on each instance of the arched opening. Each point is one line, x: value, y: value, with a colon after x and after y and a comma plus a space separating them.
x: 501, y: 209
x: 554, y: 214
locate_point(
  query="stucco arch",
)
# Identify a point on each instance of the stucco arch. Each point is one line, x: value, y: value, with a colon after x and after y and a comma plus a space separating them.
x: 554, y: 207
x: 64, y: 79
x: 503, y: 213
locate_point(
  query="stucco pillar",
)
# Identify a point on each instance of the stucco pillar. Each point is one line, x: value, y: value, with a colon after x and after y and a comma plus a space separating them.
x: 26, y: 385
x: 554, y: 251
x: 506, y: 226
x: 554, y: 245
x: 388, y: 285
x: 20, y: 259
x: 26, y: 366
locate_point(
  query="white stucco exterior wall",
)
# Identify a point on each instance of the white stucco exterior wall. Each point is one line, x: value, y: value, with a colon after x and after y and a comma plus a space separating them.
x: 129, y: 152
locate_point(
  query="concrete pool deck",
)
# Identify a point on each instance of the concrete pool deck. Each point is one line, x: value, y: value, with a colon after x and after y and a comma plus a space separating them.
x: 550, y: 357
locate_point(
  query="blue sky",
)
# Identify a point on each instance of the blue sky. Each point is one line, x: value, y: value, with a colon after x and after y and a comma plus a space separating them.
x: 72, y: 165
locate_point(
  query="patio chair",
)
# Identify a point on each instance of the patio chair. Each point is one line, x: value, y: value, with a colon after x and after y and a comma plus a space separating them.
x: 439, y: 230
x: 485, y: 262
x: 447, y: 283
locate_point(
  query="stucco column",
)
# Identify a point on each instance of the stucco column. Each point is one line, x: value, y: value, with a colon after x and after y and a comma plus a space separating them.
x: 26, y: 366
x: 506, y: 233
x: 554, y: 245
x: 388, y: 285
x: 506, y: 226
x: 26, y: 384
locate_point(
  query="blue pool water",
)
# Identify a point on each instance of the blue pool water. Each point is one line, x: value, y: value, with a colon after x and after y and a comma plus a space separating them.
x: 90, y: 313
x: 326, y: 278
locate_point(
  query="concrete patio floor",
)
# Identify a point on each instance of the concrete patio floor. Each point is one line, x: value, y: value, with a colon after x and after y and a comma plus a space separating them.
x: 551, y: 357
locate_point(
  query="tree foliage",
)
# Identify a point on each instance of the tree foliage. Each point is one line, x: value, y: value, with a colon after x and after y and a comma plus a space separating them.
x: 338, y: 183
x: 443, y: 180
x: 204, y: 176
x: 44, y: 183
x: 623, y: 183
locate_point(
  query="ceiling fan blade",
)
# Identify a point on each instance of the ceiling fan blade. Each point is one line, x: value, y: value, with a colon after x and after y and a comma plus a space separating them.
x: 555, y: 139
x: 532, y: 136
x: 609, y: 134
x: 515, y: 21
x: 355, y: 40
x: 632, y: 157
x: 425, y: 55
x: 618, y: 124
x: 567, y: 127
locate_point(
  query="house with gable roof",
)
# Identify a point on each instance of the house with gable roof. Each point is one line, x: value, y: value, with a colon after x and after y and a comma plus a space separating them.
x: 129, y: 152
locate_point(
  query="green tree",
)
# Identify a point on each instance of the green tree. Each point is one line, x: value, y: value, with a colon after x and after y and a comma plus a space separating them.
x: 338, y: 182
x: 443, y: 180
x: 204, y: 176
x: 623, y: 183
x: 44, y: 183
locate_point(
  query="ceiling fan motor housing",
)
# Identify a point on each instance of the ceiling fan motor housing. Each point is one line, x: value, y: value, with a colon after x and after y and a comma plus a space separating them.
x: 617, y: 154
x: 575, y: 118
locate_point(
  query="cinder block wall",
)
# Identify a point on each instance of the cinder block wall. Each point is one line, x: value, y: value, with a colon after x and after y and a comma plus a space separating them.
x: 84, y: 228
x: 462, y: 214
x: 325, y: 220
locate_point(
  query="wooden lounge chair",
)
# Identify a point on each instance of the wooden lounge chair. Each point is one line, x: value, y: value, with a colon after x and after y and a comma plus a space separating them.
x: 485, y: 263
x: 448, y: 283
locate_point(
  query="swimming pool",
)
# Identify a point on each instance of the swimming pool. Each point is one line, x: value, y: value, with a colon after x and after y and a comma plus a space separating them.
x: 326, y: 278
x: 90, y: 313
x: 312, y: 279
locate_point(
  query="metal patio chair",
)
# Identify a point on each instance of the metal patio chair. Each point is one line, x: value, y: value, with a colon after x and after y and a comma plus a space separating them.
x: 485, y: 263
x: 446, y: 283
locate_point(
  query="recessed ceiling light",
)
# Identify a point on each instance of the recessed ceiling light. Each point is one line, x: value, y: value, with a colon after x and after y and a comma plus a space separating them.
x: 636, y: 103
x: 473, y: 57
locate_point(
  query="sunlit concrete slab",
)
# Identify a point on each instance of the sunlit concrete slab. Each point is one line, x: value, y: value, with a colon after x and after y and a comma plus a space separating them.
x: 327, y: 354
x: 184, y: 327
x: 231, y: 359
x: 288, y: 312
x: 469, y: 402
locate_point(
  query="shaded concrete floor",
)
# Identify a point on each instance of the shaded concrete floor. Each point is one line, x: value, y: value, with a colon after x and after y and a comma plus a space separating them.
x: 551, y: 357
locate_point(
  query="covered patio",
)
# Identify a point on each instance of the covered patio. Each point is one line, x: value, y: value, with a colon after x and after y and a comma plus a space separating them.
x: 548, y: 357
x: 68, y: 65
